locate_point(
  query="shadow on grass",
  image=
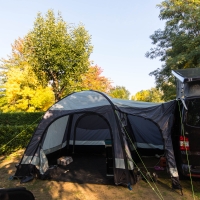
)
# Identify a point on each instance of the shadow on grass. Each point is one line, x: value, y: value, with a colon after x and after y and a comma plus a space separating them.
x: 190, y: 188
x: 84, y: 185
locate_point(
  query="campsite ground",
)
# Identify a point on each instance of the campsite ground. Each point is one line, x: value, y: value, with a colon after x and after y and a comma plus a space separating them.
x: 48, y: 189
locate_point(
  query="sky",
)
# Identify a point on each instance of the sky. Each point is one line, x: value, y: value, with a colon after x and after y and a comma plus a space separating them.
x: 120, y: 32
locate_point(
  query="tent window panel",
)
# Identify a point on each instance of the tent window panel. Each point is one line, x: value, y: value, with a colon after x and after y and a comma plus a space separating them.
x: 146, y: 133
x: 92, y: 122
x: 85, y: 134
x: 90, y: 137
x: 55, y: 133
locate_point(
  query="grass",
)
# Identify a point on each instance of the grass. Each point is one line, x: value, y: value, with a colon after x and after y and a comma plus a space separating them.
x: 48, y: 189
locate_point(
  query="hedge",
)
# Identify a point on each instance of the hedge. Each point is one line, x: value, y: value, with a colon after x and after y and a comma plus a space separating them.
x: 13, y: 138
x: 16, y: 130
x: 20, y: 118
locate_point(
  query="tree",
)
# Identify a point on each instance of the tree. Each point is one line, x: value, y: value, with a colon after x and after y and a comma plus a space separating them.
x: 58, y: 53
x: 178, y: 45
x: 152, y: 95
x: 93, y: 80
x: 119, y: 92
x: 21, y: 89
x: 23, y: 93
x: 2, y: 96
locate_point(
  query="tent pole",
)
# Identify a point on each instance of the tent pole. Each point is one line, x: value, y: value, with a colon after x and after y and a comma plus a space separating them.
x: 69, y: 131
x: 74, y: 141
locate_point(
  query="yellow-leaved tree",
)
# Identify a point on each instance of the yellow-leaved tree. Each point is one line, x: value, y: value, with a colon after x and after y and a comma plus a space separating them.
x: 152, y: 95
x: 23, y: 91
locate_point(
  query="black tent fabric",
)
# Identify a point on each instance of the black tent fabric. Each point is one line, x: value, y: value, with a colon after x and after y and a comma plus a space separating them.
x: 91, y: 117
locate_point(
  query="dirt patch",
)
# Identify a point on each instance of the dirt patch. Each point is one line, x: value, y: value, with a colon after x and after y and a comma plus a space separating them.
x: 61, y: 190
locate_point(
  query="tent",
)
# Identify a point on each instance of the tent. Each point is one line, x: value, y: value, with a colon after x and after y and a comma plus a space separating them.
x: 89, y: 118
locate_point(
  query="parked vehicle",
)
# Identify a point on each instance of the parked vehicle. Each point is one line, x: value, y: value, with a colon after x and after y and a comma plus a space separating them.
x: 186, y: 132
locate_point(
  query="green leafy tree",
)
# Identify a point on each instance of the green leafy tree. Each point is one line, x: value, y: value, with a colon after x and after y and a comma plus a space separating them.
x: 92, y: 79
x: 152, y: 95
x: 58, y: 53
x: 119, y: 92
x: 178, y: 45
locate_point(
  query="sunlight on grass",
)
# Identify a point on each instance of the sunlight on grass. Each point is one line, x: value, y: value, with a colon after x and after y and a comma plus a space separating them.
x: 10, y: 171
x: 46, y: 190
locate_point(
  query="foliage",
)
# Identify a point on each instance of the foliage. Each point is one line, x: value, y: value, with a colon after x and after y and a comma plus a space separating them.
x: 23, y: 91
x: 2, y: 97
x: 58, y: 53
x: 20, y: 136
x: 24, y: 94
x: 152, y: 95
x: 119, y: 92
x: 20, y: 118
x: 16, y: 129
x: 178, y: 45
x: 93, y: 80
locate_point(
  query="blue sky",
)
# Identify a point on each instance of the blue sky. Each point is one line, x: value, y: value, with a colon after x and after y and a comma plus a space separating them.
x: 120, y: 33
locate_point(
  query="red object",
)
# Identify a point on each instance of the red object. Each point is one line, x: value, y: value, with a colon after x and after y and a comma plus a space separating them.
x: 184, y: 143
x: 162, y: 162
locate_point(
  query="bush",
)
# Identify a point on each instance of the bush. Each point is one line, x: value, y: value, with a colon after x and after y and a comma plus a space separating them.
x: 16, y: 130
x: 21, y: 118
x: 13, y: 138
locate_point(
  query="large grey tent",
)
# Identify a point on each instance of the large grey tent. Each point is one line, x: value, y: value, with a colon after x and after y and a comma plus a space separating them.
x: 89, y: 118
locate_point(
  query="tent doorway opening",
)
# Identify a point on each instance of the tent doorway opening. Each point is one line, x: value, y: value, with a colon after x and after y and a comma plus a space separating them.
x: 89, y: 144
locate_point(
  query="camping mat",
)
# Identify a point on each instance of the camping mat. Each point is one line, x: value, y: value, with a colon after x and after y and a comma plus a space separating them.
x: 83, y: 169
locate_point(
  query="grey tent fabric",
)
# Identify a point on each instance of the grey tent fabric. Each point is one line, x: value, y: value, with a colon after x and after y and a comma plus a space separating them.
x: 54, y: 135
x: 163, y: 116
x: 148, y: 136
x: 88, y: 101
x: 89, y: 117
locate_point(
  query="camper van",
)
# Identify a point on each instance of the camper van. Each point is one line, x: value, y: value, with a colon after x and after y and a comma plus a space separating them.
x: 186, y: 132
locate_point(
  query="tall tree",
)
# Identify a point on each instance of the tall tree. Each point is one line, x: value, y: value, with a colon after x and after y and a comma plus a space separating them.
x: 119, y: 92
x: 58, y: 53
x: 21, y: 88
x: 2, y: 95
x: 93, y: 80
x: 24, y: 93
x: 152, y: 95
x: 178, y: 45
